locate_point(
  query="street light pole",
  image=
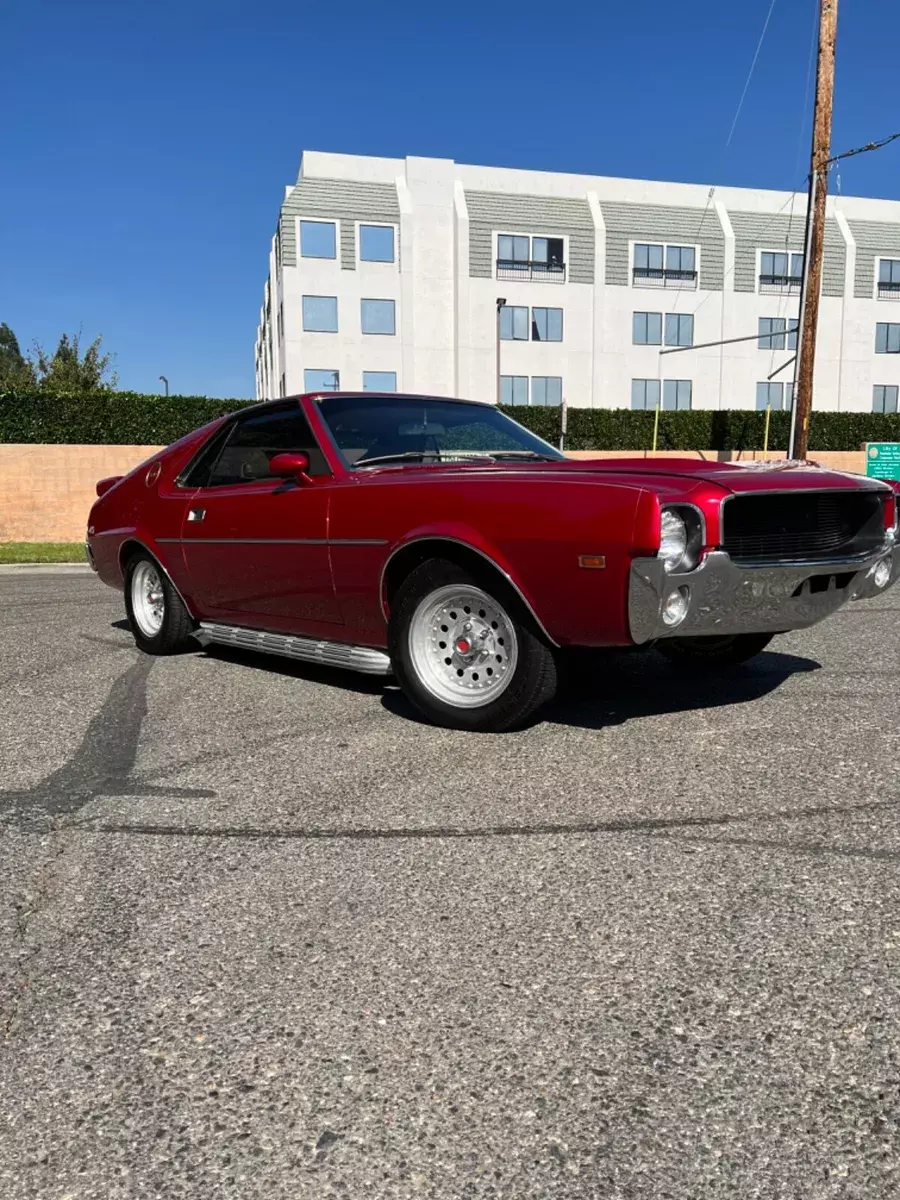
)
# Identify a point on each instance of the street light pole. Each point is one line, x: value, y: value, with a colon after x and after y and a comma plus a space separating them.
x: 501, y: 303
x: 165, y: 383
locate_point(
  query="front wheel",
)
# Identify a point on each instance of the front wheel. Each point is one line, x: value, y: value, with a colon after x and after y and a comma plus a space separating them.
x: 160, y: 623
x: 714, y: 652
x: 464, y: 653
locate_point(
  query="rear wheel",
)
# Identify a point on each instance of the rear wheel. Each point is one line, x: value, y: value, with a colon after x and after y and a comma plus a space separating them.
x: 465, y: 653
x: 159, y: 620
x: 712, y: 652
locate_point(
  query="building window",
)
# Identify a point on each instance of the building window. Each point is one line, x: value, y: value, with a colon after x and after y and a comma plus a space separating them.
x: 547, y: 324
x: 679, y: 329
x: 379, y: 381
x: 376, y: 243
x: 378, y: 316
x: 887, y: 338
x: 645, y: 393
x: 776, y: 396
x: 776, y: 333
x: 317, y: 239
x: 646, y: 329
x: 889, y: 279
x: 884, y: 397
x: 531, y: 258
x: 658, y: 264
x: 321, y: 381
x: 513, y: 323
x: 280, y: 323
x: 511, y: 249
x: 780, y: 272
x: 320, y: 314
x: 546, y: 390
x: 284, y: 385
x: 677, y: 394
x: 513, y: 389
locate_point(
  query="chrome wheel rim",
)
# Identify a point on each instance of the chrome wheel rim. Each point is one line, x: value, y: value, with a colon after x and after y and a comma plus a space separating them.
x: 148, y: 602
x: 463, y: 646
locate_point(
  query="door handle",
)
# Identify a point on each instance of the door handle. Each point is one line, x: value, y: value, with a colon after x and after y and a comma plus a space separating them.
x: 196, y: 514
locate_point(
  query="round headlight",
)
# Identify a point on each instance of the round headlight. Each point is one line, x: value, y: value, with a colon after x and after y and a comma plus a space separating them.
x: 673, y: 539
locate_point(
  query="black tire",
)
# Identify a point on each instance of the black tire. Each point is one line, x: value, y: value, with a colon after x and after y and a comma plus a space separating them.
x: 711, y: 653
x: 174, y: 634
x: 532, y: 681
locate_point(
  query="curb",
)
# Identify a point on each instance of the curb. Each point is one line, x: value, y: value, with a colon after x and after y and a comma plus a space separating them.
x: 45, y: 568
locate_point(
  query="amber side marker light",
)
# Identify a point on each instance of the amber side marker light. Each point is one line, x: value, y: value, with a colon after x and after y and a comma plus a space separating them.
x: 592, y: 562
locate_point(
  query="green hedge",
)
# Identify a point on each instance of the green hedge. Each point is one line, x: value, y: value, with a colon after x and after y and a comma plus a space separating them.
x: 728, y: 429
x: 116, y: 418
x: 128, y: 418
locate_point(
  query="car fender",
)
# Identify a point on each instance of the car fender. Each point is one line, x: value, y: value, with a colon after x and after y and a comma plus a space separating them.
x: 472, y: 539
x: 170, y: 557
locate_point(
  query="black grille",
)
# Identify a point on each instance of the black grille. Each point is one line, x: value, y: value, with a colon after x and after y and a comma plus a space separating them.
x: 802, y: 526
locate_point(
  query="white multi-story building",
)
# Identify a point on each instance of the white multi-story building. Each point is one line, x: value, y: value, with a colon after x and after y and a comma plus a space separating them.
x: 422, y: 275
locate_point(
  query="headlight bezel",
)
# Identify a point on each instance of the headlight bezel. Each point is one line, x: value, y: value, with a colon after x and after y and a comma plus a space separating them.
x: 689, y: 554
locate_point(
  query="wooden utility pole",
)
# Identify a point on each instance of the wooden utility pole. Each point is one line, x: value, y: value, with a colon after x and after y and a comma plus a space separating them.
x: 815, y: 217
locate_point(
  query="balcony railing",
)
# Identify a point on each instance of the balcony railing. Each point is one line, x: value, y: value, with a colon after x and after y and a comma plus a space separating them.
x: 778, y: 285
x: 888, y: 291
x: 663, y: 277
x: 531, y: 272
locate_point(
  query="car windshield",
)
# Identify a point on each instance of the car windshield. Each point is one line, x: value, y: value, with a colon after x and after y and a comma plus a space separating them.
x: 380, y: 430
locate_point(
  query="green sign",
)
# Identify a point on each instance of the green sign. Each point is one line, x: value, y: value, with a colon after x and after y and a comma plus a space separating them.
x: 883, y: 459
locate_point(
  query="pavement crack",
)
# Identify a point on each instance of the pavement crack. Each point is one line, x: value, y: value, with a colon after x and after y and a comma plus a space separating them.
x: 658, y: 827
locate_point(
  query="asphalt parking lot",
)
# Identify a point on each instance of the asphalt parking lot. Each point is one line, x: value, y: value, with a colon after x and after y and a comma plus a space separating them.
x: 262, y: 934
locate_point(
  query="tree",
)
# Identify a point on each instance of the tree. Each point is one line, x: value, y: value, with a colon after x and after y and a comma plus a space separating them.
x: 17, y: 373
x: 68, y: 372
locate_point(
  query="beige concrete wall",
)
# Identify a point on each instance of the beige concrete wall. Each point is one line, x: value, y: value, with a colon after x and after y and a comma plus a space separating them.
x: 46, y: 492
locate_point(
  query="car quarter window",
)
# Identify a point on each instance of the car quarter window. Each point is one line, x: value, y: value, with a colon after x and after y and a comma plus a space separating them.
x: 254, y: 441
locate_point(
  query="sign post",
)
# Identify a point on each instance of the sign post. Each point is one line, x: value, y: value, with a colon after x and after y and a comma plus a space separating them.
x: 883, y: 460
x: 563, y: 422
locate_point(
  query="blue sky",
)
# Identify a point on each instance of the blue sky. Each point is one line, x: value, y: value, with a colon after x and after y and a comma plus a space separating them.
x: 146, y: 147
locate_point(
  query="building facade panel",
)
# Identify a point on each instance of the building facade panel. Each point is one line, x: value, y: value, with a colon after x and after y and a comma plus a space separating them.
x: 662, y: 224
x: 874, y: 240
x: 491, y: 214
x: 757, y: 232
x: 345, y: 201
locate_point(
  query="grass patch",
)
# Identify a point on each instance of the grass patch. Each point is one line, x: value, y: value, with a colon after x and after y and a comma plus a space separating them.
x: 42, y: 552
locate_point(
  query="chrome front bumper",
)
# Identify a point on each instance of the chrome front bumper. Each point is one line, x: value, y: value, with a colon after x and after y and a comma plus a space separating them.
x: 726, y: 598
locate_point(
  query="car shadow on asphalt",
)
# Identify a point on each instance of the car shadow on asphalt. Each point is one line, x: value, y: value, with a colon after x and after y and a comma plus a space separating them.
x: 608, y: 687
x: 612, y: 687
x: 599, y: 688
x: 273, y: 664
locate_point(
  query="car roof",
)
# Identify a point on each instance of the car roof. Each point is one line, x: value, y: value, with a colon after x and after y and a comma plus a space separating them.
x: 407, y: 397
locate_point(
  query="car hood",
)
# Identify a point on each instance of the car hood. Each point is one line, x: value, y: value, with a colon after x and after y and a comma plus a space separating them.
x: 734, y: 477
x: 665, y: 476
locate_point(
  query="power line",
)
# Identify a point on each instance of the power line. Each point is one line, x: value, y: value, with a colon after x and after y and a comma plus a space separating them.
x: 737, y: 113
x: 805, y: 108
x: 864, y: 149
x: 762, y: 38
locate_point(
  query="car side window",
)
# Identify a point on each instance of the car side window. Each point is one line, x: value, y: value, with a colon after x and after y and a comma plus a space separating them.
x: 196, y: 474
x: 254, y: 441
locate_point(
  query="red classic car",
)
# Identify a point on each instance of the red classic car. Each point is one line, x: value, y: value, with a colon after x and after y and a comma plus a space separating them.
x: 439, y: 540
